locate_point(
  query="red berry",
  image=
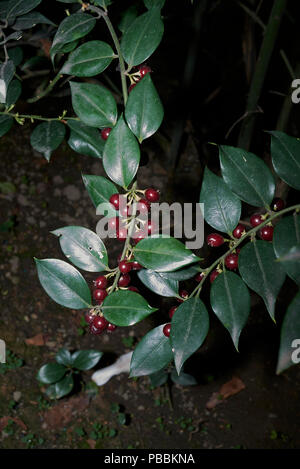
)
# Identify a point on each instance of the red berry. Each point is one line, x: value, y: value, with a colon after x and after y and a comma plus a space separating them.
x: 134, y: 289
x: 113, y: 223
x: 256, y: 220
x: 144, y: 69
x: 100, y: 322
x: 238, y: 231
x: 213, y: 275
x: 125, y: 211
x: 115, y: 201
x: 215, y: 240
x: 143, y: 206
x: 136, y: 265
x: 94, y: 330
x: 231, y: 261
x: 277, y: 204
x: 152, y: 195
x: 111, y: 327
x: 199, y: 277
x: 184, y: 294
x: 101, y: 282
x: 266, y: 233
x: 125, y: 266
x: 99, y: 295
x: 172, y: 311
x: 167, y: 330
x: 138, y: 236
x: 124, y: 280
x: 122, y: 234
x: 131, y: 87
x: 89, y: 317
x: 105, y: 133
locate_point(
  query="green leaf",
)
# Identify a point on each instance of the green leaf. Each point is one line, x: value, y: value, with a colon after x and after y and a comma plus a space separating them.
x: 125, y: 308
x: 183, y: 274
x: 128, y: 17
x: 290, y: 332
x: 152, y: 353
x: 286, y: 236
x: 73, y: 27
x: 285, y: 151
x: 163, y: 254
x: 121, y: 155
x: 7, y: 70
x: 20, y: 7
x: 16, y: 55
x: 85, y: 140
x: 63, y: 357
x: 230, y: 301
x: 51, y: 373
x: 83, y: 248
x: 247, y: 176
x: 64, y: 386
x: 30, y: 20
x: 13, y: 93
x: 142, y: 37
x: 261, y: 273
x: 158, y: 284
x: 154, y: 3
x: 186, y: 340
x: 63, y: 283
x: 293, y: 255
x: 102, y: 3
x: 5, y: 124
x: 144, y: 112
x: 94, y: 104
x: 86, y: 359
x: 100, y: 190
x: 184, y: 379
x: 47, y: 137
x: 222, y: 208
x: 69, y: 1
x: 159, y: 378
x: 89, y: 60
x: 68, y: 47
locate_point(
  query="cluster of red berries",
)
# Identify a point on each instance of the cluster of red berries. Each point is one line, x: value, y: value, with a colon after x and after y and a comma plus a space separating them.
x: 98, y: 323
x: 167, y: 328
x: 142, y: 71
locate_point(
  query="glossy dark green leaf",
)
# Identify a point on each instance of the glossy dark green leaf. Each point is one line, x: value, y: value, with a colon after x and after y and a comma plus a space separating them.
x: 186, y: 340
x: 157, y: 283
x: 85, y: 140
x: 89, y: 60
x: 100, y: 190
x: 51, y: 373
x: 69, y: 47
x: 73, y: 27
x: 13, y: 93
x: 293, y: 255
x: 142, y: 37
x: 163, y: 254
x: 30, y: 20
x: 103, y: 3
x: 159, y: 378
x: 285, y: 151
x: 128, y: 17
x: 121, y: 155
x: 261, y: 273
x: 20, y: 7
x: 86, y: 359
x: 83, y: 248
x: 4, y: 5
x: 184, y: 379
x: 125, y: 308
x: 222, y: 208
x: 94, y: 104
x: 183, y: 274
x: 7, y: 70
x: 64, y: 386
x: 152, y: 353
x: 63, y: 357
x: 154, y: 3
x: 16, y: 55
x: 247, y: 176
x: 47, y: 137
x: 286, y: 236
x: 63, y: 283
x: 144, y: 112
x: 289, y: 350
x: 5, y: 124
x: 230, y: 301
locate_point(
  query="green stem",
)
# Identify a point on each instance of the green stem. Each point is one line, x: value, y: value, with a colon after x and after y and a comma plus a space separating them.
x: 207, y: 271
x: 260, y: 72
x: 46, y: 90
x: 31, y: 116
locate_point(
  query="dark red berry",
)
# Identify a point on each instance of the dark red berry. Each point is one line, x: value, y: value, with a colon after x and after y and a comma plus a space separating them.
x: 136, y: 265
x: 266, y: 233
x: 152, y: 195
x: 124, y: 280
x: 99, y: 295
x: 134, y: 289
x: 89, y: 317
x: 172, y: 311
x: 100, y: 322
x: 139, y: 236
x: 277, y: 204
x: 184, y: 294
x: 213, y: 275
x: 122, y: 234
x: 231, y: 261
x: 94, y: 330
x: 199, y: 277
x: 125, y: 266
x: 101, y: 282
x: 143, y: 206
x: 215, y: 240
x: 131, y: 87
x: 125, y: 211
x: 167, y: 330
x: 256, y: 220
x: 111, y: 327
x: 238, y: 231
x: 113, y: 223
x: 115, y: 201
x: 105, y: 133
x: 144, y: 69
